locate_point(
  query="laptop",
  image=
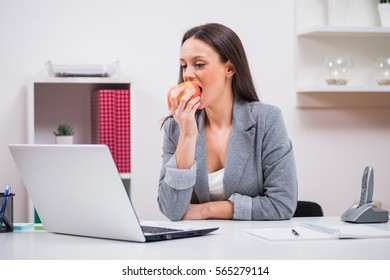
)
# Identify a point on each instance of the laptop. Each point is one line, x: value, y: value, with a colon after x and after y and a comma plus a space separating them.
x: 77, y: 190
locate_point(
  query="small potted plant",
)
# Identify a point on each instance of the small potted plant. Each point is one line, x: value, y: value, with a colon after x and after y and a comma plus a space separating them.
x: 384, y: 12
x: 64, y: 134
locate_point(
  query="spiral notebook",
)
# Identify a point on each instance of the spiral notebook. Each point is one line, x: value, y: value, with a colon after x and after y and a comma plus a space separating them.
x: 307, y: 231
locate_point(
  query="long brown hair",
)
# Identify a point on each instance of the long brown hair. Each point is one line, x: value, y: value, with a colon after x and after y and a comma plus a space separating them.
x: 229, y: 47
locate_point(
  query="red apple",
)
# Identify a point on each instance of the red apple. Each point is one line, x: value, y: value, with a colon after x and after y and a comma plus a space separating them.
x: 188, y: 85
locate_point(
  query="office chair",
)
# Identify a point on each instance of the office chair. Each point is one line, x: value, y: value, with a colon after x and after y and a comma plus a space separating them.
x: 308, y: 209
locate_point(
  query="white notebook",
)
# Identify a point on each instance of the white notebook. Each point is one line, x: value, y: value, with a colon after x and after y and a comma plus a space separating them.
x: 306, y: 231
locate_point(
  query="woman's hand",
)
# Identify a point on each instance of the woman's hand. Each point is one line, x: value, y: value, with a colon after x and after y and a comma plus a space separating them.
x: 210, y: 210
x: 184, y: 114
x: 184, y: 111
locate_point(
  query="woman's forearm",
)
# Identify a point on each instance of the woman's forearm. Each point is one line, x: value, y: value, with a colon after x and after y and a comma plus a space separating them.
x: 210, y: 210
x: 185, y: 152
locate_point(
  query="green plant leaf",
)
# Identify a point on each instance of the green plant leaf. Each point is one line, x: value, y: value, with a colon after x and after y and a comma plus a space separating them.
x: 64, y: 129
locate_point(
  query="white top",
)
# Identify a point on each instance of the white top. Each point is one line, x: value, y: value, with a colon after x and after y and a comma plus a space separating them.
x: 216, y: 184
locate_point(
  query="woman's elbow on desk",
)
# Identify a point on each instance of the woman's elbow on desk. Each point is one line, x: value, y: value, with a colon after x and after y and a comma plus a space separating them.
x: 172, y: 214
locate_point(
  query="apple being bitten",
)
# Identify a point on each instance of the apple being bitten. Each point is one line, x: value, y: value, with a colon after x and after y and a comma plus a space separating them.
x: 188, y: 85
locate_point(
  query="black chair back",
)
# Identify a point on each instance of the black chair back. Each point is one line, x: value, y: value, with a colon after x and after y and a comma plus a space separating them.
x: 308, y: 209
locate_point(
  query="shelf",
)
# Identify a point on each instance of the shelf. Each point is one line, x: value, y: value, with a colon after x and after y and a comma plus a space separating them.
x: 335, y: 97
x: 344, y: 89
x: 125, y: 176
x: 316, y: 31
x: 80, y: 80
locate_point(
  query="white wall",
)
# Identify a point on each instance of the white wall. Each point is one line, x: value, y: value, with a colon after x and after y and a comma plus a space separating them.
x: 332, y: 147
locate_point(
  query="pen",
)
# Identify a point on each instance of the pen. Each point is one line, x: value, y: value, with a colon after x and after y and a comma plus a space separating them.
x: 4, y: 204
x: 295, y: 232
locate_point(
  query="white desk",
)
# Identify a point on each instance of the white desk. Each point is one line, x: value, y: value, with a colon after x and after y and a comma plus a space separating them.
x: 229, y: 242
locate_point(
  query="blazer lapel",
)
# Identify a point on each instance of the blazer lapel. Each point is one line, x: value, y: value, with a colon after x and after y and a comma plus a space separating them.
x: 202, y: 183
x: 240, y: 146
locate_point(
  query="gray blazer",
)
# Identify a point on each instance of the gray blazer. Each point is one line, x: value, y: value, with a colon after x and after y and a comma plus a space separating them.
x: 260, y: 176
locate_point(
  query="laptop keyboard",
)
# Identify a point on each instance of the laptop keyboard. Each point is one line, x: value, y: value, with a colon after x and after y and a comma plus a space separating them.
x: 150, y: 229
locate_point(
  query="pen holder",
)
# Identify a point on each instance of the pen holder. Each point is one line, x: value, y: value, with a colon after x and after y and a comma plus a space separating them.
x: 7, y: 213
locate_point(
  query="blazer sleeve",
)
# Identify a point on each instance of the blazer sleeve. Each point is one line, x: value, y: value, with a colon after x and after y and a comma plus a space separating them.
x: 175, y: 185
x: 276, y: 165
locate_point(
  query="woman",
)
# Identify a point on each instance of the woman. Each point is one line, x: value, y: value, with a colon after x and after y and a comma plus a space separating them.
x: 225, y: 154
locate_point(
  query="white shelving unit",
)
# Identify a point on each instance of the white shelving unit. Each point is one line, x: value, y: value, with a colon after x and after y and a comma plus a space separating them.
x: 361, y: 43
x: 53, y: 100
